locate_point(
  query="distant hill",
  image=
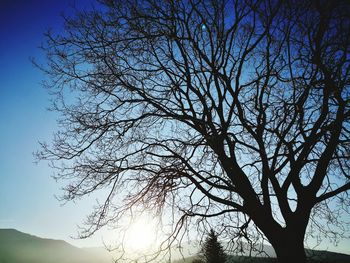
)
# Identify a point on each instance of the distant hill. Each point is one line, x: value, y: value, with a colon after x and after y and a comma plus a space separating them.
x: 327, y: 256
x: 18, y: 247
x: 313, y: 257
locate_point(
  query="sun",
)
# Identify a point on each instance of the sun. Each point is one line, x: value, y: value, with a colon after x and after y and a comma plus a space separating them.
x: 141, y: 235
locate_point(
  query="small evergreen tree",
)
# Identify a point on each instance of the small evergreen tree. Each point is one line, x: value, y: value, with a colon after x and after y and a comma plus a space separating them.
x: 212, y: 251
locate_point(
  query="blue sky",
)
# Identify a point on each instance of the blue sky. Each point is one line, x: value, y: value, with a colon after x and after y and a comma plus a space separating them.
x: 27, y: 192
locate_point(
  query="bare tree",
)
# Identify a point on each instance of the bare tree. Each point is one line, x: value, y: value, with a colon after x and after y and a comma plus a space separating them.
x: 228, y: 110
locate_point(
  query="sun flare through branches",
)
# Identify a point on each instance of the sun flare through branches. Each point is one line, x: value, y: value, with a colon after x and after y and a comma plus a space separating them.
x: 140, y: 235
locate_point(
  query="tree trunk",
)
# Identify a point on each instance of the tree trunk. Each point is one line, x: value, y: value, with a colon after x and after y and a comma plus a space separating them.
x: 289, y: 247
x: 290, y: 252
x: 288, y: 241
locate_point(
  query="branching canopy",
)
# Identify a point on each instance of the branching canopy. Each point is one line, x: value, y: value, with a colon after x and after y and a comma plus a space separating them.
x: 206, y: 108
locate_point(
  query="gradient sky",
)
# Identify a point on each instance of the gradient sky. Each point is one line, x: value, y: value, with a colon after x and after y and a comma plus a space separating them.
x: 27, y: 192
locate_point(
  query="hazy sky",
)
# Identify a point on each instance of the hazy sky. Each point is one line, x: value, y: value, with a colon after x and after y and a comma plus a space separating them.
x: 26, y: 189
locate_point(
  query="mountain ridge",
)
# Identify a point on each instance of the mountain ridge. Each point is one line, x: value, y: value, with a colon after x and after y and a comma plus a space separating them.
x: 14, y: 233
x: 19, y: 247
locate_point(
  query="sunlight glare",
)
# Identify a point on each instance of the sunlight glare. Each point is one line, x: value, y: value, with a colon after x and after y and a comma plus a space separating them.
x: 141, y: 235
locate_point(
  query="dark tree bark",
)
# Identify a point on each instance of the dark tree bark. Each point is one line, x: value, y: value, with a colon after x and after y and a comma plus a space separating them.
x: 233, y: 113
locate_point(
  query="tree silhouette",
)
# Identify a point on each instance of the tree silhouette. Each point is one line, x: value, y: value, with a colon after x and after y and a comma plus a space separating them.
x: 212, y: 251
x: 233, y: 113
